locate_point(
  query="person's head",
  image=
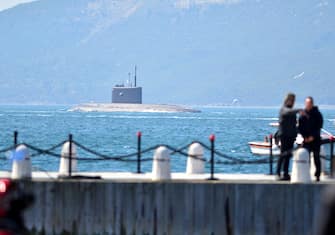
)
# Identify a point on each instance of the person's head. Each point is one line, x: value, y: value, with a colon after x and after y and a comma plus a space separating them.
x: 289, y: 100
x: 309, y: 103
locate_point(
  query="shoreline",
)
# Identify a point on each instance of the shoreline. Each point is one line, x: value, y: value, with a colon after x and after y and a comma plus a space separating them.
x: 140, y: 108
x: 190, y: 106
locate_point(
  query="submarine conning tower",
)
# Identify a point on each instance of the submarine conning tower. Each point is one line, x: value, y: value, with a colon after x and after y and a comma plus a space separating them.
x: 127, y: 93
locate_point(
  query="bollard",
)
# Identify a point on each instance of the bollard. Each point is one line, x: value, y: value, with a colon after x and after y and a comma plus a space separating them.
x: 139, y: 136
x: 195, y: 163
x: 161, y: 164
x: 300, y: 167
x: 21, y: 168
x: 68, y: 162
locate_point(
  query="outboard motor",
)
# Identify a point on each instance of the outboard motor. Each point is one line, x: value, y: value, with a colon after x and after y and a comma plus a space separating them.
x: 13, y: 202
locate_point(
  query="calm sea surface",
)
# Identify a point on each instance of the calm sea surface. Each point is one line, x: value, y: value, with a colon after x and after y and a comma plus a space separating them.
x: 115, y: 133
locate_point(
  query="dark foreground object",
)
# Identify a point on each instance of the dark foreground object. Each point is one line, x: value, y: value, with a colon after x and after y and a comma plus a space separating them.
x: 13, y: 202
x: 102, y: 207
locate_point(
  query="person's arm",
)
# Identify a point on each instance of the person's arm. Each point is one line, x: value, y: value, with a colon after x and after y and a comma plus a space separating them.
x: 288, y: 111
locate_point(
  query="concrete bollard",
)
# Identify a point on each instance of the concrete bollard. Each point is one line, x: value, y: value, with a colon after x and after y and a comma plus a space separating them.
x: 300, y: 167
x: 195, y: 165
x: 161, y: 164
x: 64, y: 161
x: 21, y: 168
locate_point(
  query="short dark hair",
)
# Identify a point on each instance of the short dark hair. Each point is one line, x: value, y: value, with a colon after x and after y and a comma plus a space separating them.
x: 310, y: 98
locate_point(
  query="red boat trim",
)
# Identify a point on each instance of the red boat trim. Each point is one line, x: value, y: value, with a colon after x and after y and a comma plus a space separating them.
x: 264, y: 146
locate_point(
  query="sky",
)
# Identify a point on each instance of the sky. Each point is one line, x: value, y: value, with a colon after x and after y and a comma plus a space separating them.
x: 6, y: 4
x: 215, y: 50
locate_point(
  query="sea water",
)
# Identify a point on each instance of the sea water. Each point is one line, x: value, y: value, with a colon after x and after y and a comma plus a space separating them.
x: 114, y: 134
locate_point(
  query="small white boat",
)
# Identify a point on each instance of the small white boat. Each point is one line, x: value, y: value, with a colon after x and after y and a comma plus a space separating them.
x: 262, y: 148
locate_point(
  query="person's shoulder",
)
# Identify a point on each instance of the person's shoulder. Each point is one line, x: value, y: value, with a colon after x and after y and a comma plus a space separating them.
x: 285, y: 109
x: 282, y: 109
x: 317, y: 110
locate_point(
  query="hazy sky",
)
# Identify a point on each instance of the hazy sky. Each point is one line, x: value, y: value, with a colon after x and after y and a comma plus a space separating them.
x: 199, y: 51
x: 5, y: 4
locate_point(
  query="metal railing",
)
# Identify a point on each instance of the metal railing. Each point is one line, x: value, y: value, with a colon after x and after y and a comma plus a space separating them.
x: 216, y: 157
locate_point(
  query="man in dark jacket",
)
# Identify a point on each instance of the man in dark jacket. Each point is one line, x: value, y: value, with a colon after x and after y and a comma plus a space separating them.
x: 287, y: 133
x: 310, y: 128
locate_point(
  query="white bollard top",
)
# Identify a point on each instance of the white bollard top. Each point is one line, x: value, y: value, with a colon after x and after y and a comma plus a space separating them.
x: 196, y: 150
x: 66, y: 149
x: 64, y: 165
x: 21, y: 152
x: 21, y: 168
x: 162, y: 153
x: 195, y: 163
x: 161, y: 164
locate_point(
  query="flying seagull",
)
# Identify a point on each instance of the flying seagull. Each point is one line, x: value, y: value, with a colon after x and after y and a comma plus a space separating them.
x: 299, y: 76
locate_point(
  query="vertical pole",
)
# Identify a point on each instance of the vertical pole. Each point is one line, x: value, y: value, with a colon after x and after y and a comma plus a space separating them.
x: 332, y: 156
x: 135, y: 76
x: 212, y: 140
x: 139, y: 135
x: 15, y: 137
x: 271, y: 155
x: 70, y: 155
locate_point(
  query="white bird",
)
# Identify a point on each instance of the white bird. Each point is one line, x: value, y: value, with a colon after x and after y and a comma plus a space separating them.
x: 235, y: 102
x: 300, y: 75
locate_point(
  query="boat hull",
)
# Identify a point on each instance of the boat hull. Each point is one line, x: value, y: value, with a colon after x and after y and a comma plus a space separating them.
x: 263, y: 148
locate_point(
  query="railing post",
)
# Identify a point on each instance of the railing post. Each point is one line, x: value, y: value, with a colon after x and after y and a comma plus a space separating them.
x: 139, y: 136
x: 212, y: 140
x: 332, y: 156
x: 15, y: 138
x: 271, y: 155
x: 70, y: 155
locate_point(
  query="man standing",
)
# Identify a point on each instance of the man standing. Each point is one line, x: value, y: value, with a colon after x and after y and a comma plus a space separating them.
x: 310, y: 128
x: 287, y: 133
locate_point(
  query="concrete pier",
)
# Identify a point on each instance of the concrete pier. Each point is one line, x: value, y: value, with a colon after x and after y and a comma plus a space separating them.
x: 128, y: 207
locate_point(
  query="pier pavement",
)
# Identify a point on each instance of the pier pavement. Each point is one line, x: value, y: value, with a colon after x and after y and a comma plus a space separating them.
x: 144, y: 177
